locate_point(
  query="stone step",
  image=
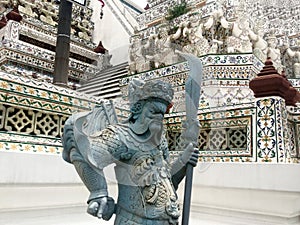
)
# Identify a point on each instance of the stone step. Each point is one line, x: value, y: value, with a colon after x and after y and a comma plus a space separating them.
x: 106, y: 83
x: 99, y: 92
x: 102, y: 88
x: 109, y: 71
x: 109, y: 93
x: 101, y: 81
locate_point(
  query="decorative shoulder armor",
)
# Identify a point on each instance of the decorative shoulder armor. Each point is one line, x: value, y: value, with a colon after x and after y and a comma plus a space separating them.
x: 106, y: 147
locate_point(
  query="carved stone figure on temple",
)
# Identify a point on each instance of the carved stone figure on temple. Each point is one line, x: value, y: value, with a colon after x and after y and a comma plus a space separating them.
x: 260, y: 45
x: 137, y: 59
x: 239, y: 41
x: 147, y: 180
x: 217, y: 28
x: 150, y: 48
x: 294, y: 60
x: 296, y: 66
x: 164, y: 53
x: 84, y: 27
x: 273, y: 52
x: 27, y: 7
x: 48, y: 12
x: 198, y: 45
x: 217, y: 16
x: 214, y: 48
x: 5, y: 4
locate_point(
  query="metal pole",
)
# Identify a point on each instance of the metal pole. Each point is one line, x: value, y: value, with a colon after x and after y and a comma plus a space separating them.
x: 187, y: 194
x: 61, y: 64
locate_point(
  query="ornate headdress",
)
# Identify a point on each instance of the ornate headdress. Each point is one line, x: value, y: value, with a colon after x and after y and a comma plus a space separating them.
x: 140, y: 90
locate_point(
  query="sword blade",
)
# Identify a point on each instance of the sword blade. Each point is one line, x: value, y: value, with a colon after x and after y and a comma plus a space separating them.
x: 191, y: 131
x: 193, y: 86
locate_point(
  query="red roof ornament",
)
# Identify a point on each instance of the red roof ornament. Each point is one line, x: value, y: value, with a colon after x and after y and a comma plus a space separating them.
x: 3, y: 22
x: 270, y: 83
x: 14, y: 15
x: 100, y: 48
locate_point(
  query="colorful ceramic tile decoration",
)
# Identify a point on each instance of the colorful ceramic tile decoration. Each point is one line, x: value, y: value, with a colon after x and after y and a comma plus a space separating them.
x: 225, y: 136
x: 236, y: 49
x: 32, y: 114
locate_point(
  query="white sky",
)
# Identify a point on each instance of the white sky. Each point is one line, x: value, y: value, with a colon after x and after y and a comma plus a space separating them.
x: 141, y: 3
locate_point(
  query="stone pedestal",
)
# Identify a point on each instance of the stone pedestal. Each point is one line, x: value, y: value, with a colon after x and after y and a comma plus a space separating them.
x: 273, y: 92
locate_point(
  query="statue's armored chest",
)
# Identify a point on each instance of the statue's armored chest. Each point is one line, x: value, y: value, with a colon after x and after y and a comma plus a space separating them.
x: 144, y: 174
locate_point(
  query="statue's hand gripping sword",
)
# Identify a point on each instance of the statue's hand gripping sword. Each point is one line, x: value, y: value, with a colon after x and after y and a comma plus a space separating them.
x: 191, y: 126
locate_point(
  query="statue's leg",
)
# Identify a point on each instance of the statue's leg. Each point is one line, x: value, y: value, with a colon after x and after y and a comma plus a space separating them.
x: 120, y: 220
x: 131, y: 219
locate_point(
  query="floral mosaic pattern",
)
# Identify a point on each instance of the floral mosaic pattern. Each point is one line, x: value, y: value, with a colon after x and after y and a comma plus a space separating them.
x: 15, y: 143
x: 273, y: 143
x: 246, y: 66
x: 291, y: 140
x: 27, y: 92
x: 47, y: 33
x: 225, y: 80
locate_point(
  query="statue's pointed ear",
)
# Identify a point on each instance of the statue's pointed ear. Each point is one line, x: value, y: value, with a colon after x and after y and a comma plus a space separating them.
x: 134, y: 87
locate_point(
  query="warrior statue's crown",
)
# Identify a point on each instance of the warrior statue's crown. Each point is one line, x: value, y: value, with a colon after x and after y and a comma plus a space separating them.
x: 141, y: 90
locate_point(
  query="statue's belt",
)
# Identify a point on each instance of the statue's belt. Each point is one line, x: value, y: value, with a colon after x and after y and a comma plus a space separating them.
x: 141, y: 220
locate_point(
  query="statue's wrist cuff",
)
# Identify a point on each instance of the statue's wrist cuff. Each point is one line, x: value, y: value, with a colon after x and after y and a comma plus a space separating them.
x: 97, y: 194
x: 180, y: 160
x: 177, y: 166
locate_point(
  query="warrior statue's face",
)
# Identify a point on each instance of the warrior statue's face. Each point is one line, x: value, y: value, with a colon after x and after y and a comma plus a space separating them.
x: 150, y: 121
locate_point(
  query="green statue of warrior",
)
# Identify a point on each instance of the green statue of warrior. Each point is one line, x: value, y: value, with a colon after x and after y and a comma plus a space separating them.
x: 147, y: 180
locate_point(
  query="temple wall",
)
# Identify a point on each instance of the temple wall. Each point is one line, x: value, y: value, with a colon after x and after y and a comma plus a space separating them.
x: 266, y: 194
x: 223, y: 193
x: 38, y: 181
